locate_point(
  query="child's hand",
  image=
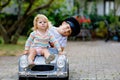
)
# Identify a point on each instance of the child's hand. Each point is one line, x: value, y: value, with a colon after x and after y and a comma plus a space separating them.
x: 61, y: 53
x: 26, y: 52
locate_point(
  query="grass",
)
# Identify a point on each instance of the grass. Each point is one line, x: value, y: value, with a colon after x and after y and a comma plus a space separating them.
x: 11, y: 49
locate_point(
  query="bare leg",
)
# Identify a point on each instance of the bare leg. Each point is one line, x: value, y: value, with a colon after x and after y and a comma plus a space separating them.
x: 31, y: 56
x: 46, y: 53
x: 48, y: 57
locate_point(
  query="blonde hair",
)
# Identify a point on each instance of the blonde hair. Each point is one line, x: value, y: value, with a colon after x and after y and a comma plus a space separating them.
x: 40, y: 16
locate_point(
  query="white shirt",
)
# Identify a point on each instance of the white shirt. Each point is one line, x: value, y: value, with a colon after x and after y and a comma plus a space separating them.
x: 61, y: 39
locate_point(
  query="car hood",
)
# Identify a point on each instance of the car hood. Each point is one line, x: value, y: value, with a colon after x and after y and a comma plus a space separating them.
x: 41, y: 60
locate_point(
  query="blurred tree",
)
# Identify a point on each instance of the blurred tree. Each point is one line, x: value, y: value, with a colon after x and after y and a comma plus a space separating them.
x: 4, y: 4
x: 77, y: 5
x: 25, y: 9
x: 58, y: 12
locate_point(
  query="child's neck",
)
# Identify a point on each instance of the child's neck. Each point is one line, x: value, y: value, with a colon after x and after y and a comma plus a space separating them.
x: 42, y: 31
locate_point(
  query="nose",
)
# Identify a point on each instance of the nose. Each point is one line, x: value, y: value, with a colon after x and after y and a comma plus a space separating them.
x: 43, y: 23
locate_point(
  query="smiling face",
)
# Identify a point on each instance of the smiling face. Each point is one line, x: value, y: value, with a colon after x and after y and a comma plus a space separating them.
x: 65, y: 29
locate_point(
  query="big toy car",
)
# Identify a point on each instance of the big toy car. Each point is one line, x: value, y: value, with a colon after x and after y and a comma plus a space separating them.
x: 57, y: 69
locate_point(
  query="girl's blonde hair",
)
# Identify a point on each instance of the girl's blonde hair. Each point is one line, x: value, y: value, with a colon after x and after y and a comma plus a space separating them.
x: 40, y: 16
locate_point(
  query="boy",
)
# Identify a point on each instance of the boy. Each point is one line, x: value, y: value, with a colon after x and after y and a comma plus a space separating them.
x: 69, y: 27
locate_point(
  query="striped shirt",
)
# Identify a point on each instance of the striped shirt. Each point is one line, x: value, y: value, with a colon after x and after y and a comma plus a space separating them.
x: 39, y: 40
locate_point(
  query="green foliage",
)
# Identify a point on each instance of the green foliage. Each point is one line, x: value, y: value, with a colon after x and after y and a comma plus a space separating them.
x: 58, y: 16
x: 7, y: 19
x: 57, y: 12
x: 101, y: 25
x: 39, y: 2
x: 28, y: 26
x: 112, y: 18
x: 114, y: 22
x: 2, y: 16
x: 94, y: 9
x: 0, y: 41
x: 101, y: 31
x: 95, y: 20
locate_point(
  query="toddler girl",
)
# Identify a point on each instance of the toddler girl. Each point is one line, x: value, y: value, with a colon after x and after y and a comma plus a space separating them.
x: 38, y: 41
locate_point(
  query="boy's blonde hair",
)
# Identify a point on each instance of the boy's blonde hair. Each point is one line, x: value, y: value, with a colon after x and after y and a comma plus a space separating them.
x: 40, y: 16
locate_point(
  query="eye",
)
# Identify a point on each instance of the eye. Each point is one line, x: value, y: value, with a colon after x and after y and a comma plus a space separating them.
x: 40, y: 22
x: 68, y: 27
x: 44, y: 22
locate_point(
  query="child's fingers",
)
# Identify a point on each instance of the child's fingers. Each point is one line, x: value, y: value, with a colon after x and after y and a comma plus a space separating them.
x: 61, y: 53
x: 25, y: 52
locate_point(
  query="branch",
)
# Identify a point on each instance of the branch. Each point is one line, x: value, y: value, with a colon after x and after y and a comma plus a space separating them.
x: 2, y: 30
x: 5, y: 4
x: 15, y: 25
x: 40, y: 7
x: 29, y: 7
x: 27, y: 14
x: 19, y: 8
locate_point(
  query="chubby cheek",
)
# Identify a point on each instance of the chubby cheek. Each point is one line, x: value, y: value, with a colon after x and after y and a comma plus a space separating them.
x: 38, y: 24
x: 63, y: 26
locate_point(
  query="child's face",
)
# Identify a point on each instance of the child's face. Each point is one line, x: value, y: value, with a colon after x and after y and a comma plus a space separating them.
x: 65, y: 29
x: 42, y: 24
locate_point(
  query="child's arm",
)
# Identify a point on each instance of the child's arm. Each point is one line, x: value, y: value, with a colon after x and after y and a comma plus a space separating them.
x: 63, y: 43
x: 26, y: 51
x: 52, y: 45
x: 28, y: 43
x: 56, y: 44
